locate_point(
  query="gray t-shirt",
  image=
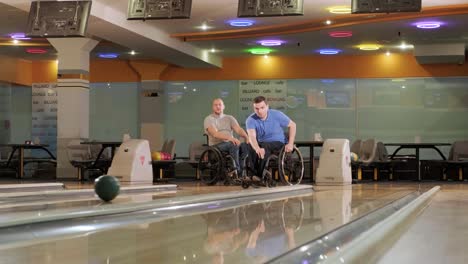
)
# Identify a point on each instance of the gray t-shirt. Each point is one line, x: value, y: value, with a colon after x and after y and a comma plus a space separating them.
x: 223, y: 123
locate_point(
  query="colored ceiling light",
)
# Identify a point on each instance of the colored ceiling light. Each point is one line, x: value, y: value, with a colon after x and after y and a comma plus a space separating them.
x: 241, y: 23
x: 20, y: 36
x: 260, y: 51
x: 339, y: 10
x: 340, y: 34
x: 270, y: 42
x: 428, y: 25
x: 369, y: 47
x: 108, y: 55
x: 329, y: 51
x: 36, y: 51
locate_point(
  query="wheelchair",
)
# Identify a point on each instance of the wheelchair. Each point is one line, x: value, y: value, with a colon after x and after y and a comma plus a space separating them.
x: 215, y: 165
x: 286, y: 167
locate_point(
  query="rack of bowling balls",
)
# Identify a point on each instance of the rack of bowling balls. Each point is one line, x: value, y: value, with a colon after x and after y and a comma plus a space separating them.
x: 159, y: 155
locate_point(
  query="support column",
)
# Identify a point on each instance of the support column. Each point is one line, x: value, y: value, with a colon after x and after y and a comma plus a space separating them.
x: 151, y: 102
x: 72, y: 97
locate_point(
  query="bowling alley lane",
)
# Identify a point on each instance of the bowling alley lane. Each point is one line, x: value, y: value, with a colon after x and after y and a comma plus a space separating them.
x: 248, y: 230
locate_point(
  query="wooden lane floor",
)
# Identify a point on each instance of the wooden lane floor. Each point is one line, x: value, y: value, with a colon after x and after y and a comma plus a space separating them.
x: 439, y: 234
x: 251, y: 231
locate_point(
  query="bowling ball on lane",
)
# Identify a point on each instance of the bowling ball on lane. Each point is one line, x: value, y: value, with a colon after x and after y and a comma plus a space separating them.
x: 107, y: 187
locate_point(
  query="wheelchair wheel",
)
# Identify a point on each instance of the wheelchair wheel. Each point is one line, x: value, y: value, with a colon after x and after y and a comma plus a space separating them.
x: 292, y: 213
x: 269, y: 170
x: 291, y: 166
x: 210, y: 166
x: 230, y: 172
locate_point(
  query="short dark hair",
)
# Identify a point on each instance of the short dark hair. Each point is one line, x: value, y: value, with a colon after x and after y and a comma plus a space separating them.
x: 259, y: 99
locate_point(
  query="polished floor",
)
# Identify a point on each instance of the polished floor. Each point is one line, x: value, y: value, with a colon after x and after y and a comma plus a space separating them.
x: 253, y: 230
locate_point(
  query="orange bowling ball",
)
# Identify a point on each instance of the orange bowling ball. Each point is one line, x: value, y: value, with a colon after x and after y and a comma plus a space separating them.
x: 156, y: 155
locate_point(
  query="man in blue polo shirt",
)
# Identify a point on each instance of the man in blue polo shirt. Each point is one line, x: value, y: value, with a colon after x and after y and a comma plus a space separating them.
x: 265, y: 128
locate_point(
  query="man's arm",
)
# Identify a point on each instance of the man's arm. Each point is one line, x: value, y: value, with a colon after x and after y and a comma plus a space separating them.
x: 241, y: 132
x: 292, y: 136
x: 253, y: 142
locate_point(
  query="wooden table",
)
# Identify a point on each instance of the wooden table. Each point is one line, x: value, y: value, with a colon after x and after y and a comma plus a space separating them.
x: 310, y: 145
x: 21, y: 148
x: 417, y: 147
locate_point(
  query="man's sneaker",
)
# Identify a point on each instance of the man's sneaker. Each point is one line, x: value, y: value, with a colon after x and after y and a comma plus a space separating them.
x: 256, y: 178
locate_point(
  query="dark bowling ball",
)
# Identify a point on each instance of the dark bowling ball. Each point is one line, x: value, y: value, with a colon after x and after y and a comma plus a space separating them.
x: 107, y: 187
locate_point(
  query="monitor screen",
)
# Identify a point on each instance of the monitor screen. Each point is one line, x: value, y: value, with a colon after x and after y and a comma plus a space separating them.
x: 58, y: 19
x: 337, y: 99
x: 158, y: 9
x: 259, y: 8
x: 385, y: 6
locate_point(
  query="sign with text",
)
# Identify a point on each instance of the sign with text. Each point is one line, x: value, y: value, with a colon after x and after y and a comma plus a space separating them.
x: 44, y: 115
x: 273, y: 90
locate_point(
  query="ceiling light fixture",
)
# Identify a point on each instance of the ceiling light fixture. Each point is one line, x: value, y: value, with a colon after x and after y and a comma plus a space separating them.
x: 212, y: 50
x: 387, y: 53
x: 329, y: 51
x: 328, y: 22
x: 241, y: 23
x: 404, y: 46
x: 270, y: 42
x: 108, y: 55
x: 132, y: 52
x: 340, y: 34
x: 260, y: 51
x: 428, y: 25
x: 20, y: 36
x: 204, y: 27
x: 339, y: 10
x: 368, y: 47
x: 36, y: 51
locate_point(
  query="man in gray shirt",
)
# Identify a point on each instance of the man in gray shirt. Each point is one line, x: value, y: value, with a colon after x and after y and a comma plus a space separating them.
x: 220, y: 127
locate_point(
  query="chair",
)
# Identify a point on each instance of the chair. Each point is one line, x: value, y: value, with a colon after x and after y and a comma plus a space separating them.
x: 458, y: 160
x: 79, y: 156
x: 367, y: 155
x: 355, y: 148
x: 195, y: 150
x: 104, y: 162
x: 383, y: 163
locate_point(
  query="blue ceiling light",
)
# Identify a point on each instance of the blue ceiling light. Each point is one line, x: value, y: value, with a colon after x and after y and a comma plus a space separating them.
x: 108, y: 55
x: 329, y: 51
x: 241, y: 23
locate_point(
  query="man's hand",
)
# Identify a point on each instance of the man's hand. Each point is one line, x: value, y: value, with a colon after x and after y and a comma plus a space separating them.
x: 289, y: 147
x: 261, y: 153
x: 235, y: 141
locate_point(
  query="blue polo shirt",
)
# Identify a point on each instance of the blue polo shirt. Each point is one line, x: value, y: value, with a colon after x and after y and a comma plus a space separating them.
x: 272, y: 128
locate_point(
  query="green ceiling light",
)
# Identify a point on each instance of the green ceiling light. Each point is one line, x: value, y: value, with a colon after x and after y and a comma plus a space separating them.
x: 260, y: 51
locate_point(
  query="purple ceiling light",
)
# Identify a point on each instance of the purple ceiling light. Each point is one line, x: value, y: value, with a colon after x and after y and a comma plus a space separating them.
x: 428, y: 24
x: 270, y: 42
x: 19, y: 36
